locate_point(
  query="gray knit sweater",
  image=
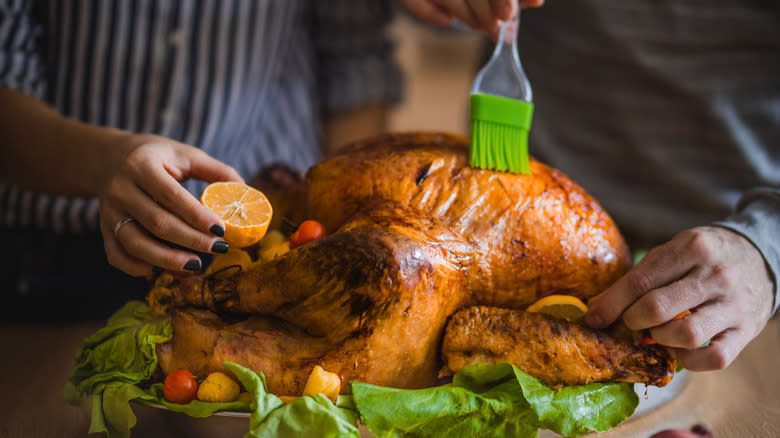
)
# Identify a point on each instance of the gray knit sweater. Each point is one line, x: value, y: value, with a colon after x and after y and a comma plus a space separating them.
x: 667, y: 111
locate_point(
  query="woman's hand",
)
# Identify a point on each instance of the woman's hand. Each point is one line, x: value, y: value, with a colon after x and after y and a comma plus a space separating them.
x: 480, y: 15
x: 717, y: 274
x: 142, y: 182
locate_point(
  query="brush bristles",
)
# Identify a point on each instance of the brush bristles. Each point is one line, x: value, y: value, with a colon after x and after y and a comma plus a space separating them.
x: 499, y: 147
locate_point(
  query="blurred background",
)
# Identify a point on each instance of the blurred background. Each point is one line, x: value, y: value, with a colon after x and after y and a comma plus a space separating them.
x: 439, y: 66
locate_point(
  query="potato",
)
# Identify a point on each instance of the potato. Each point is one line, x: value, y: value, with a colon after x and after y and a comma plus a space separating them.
x: 273, y: 245
x: 245, y: 397
x: 218, y: 388
x: 323, y: 382
x: 221, y: 266
x: 288, y: 398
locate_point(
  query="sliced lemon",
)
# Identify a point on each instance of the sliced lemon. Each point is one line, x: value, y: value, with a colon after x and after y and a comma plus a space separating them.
x: 566, y: 307
x: 245, y: 210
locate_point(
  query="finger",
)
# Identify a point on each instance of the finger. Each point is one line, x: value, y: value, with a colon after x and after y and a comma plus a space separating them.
x: 504, y: 10
x: 723, y: 349
x: 484, y: 15
x: 207, y: 168
x: 532, y: 3
x: 661, y: 266
x: 117, y: 257
x: 165, y: 225
x: 704, y: 323
x: 661, y: 305
x: 428, y: 11
x: 139, y: 245
x: 166, y: 191
x: 460, y: 10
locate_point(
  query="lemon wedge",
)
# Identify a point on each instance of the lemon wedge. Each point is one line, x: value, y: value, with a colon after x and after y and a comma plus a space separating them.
x: 566, y: 307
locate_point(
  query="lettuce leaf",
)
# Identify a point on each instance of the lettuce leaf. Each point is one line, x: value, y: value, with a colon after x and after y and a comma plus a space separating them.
x: 122, y: 351
x: 493, y: 400
x: 571, y: 411
x: 483, y: 400
x: 445, y: 411
x: 195, y: 408
x: 306, y: 416
x: 112, y: 362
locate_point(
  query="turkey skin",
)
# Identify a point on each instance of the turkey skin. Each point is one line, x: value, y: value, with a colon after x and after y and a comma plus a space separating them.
x: 415, y: 235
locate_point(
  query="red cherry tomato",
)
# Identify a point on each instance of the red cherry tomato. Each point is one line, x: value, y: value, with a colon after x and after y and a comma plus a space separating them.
x: 646, y: 340
x: 307, y: 232
x: 295, y: 240
x: 180, y: 387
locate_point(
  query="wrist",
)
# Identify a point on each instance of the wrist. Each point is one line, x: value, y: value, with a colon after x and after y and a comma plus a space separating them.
x: 109, y: 147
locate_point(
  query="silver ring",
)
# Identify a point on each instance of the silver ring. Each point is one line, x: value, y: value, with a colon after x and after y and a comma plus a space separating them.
x: 124, y: 220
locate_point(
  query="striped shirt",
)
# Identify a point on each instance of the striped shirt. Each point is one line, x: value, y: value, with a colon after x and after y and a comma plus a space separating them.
x: 667, y: 111
x: 245, y: 80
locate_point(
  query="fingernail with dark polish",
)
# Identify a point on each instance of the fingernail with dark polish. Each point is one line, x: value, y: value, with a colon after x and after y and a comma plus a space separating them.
x: 156, y: 270
x: 192, y: 265
x: 217, y: 230
x: 219, y: 247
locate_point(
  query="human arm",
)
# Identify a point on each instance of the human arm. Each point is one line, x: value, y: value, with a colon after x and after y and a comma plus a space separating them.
x: 132, y: 175
x: 480, y: 15
x: 726, y: 274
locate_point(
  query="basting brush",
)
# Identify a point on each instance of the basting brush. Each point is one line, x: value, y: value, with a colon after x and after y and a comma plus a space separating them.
x: 502, y: 108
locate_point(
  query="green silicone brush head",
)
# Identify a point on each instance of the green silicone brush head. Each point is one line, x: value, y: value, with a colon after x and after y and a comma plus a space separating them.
x: 501, y: 108
x: 499, y: 133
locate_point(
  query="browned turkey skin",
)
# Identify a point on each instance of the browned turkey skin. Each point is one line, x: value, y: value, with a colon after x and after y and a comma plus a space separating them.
x: 554, y: 351
x: 416, y: 235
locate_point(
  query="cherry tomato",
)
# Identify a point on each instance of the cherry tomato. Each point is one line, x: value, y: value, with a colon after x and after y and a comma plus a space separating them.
x: 295, y: 240
x: 180, y: 387
x: 646, y: 340
x: 307, y: 232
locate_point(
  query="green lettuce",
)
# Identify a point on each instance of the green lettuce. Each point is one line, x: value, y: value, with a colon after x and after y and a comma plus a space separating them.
x: 115, y: 365
x: 493, y: 400
x: 111, y: 364
x: 306, y: 416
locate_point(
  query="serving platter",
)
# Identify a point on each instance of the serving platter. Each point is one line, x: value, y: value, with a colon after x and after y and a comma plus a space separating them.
x: 153, y: 418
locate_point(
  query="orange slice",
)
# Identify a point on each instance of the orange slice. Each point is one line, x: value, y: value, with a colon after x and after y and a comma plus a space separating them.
x: 245, y: 210
x: 566, y: 307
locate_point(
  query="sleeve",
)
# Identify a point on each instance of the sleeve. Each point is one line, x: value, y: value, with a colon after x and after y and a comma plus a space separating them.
x: 757, y: 218
x: 20, y: 59
x: 355, y: 54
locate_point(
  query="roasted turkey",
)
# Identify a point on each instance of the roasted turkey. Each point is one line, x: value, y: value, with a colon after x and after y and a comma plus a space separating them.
x: 416, y: 236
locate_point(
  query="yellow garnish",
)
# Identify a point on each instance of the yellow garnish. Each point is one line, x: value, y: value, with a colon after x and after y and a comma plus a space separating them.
x: 218, y: 388
x: 323, y: 382
x: 566, y: 307
x: 234, y: 257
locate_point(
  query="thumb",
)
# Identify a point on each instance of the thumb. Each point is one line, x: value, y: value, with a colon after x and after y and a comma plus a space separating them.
x: 207, y: 168
x: 504, y: 9
x: 532, y: 3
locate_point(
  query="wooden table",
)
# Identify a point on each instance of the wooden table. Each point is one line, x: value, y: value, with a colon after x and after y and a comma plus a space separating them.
x: 742, y: 401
